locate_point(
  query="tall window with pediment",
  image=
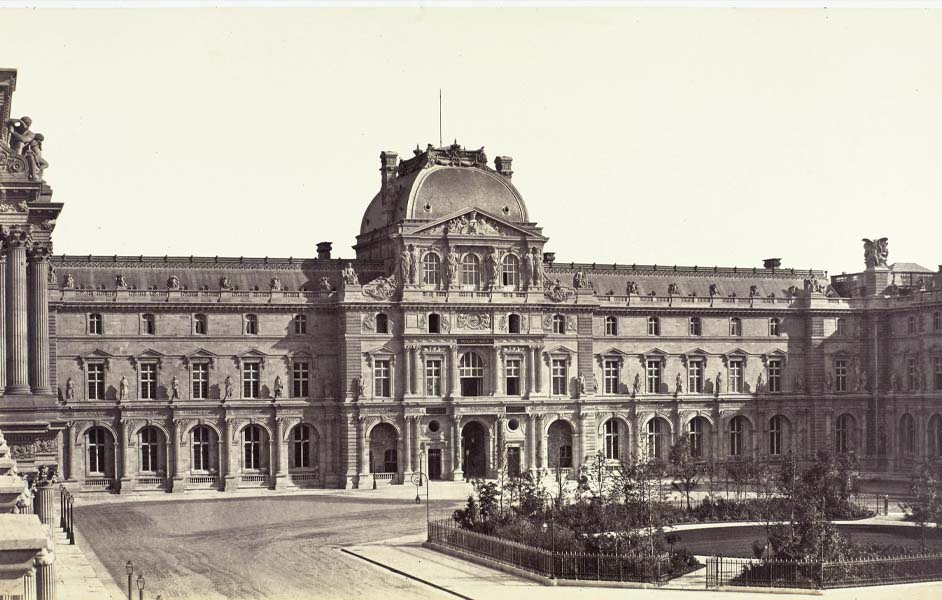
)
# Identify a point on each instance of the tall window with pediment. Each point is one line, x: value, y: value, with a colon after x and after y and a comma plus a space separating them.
x: 431, y: 269
x: 695, y: 376
x: 471, y: 271
x: 612, y: 440
x: 471, y: 374
x: 610, y: 375
x: 510, y: 270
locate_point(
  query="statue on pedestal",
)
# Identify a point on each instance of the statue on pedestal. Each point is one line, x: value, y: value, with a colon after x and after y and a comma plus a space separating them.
x: 122, y: 389
x: 227, y: 386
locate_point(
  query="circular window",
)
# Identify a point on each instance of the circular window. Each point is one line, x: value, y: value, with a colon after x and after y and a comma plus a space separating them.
x: 433, y: 426
x: 427, y: 207
x: 513, y: 424
x: 506, y: 210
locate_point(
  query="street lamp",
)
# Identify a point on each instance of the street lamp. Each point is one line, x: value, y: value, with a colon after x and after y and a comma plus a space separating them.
x: 140, y: 587
x: 417, y: 480
x: 130, y: 569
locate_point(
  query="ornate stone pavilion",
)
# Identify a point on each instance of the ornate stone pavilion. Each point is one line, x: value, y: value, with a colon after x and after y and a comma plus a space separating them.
x: 453, y: 343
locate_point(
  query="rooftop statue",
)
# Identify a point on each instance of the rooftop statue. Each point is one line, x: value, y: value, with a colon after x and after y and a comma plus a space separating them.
x: 875, y: 252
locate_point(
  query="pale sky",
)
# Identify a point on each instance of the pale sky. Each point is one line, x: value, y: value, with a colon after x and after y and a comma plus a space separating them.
x: 668, y: 136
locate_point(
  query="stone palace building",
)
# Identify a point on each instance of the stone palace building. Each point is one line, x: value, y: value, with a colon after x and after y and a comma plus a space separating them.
x: 454, y: 342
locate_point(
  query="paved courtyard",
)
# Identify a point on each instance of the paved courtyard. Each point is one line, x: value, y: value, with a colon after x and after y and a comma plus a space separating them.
x: 262, y: 547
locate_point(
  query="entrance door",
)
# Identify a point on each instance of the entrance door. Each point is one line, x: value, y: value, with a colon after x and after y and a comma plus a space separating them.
x: 435, y: 463
x: 513, y: 461
x: 474, y: 450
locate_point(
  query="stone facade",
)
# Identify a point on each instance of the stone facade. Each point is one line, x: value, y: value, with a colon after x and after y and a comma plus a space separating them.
x: 454, y: 343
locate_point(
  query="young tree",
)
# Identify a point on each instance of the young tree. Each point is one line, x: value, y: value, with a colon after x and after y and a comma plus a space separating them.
x: 594, y: 479
x: 926, y: 506
x: 684, y: 470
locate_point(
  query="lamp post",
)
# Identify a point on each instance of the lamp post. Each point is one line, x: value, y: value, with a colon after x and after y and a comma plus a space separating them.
x: 130, y: 569
x: 140, y: 587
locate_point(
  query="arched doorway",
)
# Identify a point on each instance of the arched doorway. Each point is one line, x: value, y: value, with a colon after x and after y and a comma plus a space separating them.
x: 384, y: 456
x: 559, y: 445
x: 474, y: 450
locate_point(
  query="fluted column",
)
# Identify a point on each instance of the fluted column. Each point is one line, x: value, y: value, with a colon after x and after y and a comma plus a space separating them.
x: 499, y: 436
x: 176, y: 447
x: 531, y: 442
x: 454, y: 389
x: 364, y: 446
x: 501, y: 381
x: 417, y: 372
x: 456, y: 470
x: 3, y: 323
x: 39, y: 318
x: 537, y: 370
x: 16, y: 240
x: 409, y: 422
x: 407, y: 372
x: 42, y: 502
x: 29, y: 584
x: 541, y: 437
x: 45, y: 575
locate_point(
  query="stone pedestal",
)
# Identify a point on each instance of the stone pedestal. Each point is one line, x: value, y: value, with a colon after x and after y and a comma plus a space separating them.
x: 177, y: 485
x: 43, y: 503
x: 45, y: 576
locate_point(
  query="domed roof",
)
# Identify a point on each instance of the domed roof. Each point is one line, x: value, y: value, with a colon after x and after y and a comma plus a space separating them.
x: 440, y: 182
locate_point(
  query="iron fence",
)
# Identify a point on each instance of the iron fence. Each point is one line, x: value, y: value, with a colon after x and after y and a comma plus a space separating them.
x: 559, y: 565
x: 722, y: 572
x: 66, y: 513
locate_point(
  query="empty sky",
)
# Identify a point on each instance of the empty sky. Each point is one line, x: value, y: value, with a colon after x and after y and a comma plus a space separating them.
x: 671, y: 136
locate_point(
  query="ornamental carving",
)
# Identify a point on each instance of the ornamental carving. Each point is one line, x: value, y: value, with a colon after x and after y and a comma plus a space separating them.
x: 16, y: 207
x: 473, y: 224
x: 452, y: 156
x: 12, y: 163
x: 382, y: 288
x: 876, y: 252
x: 24, y: 451
x: 556, y: 292
x: 369, y: 322
x: 25, y: 144
x: 476, y: 321
x: 570, y: 323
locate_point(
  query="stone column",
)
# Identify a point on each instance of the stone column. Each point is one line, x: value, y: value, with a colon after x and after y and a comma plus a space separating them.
x: 326, y: 447
x: 541, y: 435
x: 416, y: 372
x: 127, y: 481
x: 454, y: 389
x: 499, y: 446
x: 45, y: 575
x: 456, y: 470
x: 3, y: 323
x: 501, y: 381
x: 531, y: 442
x: 39, y: 318
x: 537, y: 370
x: 43, y: 503
x: 16, y: 239
x: 281, y: 468
x: 29, y: 584
x: 230, y: 468
x: 408, y: 423
x: 75, y: 454
x: 363, y: 468
x: 176, y: 445
x: 407, y: 372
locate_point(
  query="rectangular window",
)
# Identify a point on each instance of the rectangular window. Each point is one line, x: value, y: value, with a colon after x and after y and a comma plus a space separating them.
x: 937, y: 367
x: 693, y: 326
x: 775, y: 375
x: 735, y: 376
x: 433, y: 377
x: 200, y: 381
x: 653, y: 370
x: 840, y: 375
x: 148, y: 381
x: 250, y: 378
x: 611, y: 326
x: 381, y: 382
x: 911, y: 374
x: 96, y: 381
x: 512, y: 368
x: 937, y: 320
x: 95, y: 324
x: 695, y: 376
x: 610, y: 376
x: 300, y: 379
x: 560, y: 378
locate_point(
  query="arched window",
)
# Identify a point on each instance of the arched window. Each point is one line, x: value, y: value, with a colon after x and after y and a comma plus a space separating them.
x: 658, y: 432
x: 390, y: 462
x: 434, y: 323
x: 471, y: 271
x: 612, y: 440
x: 840, y: 327
x: 735, y: 326
x: 100, y: 446
x: 471, y: 374
x: 252, y: 447
x: 775, y: 326
x: 251, y: 325
x: 300, y: 324
x: 95, y: 326
x: 510, y: 270
x: 301, y: 447
x: 611, y: 326
x: 202, y: 442
x: 559, y: 324
x: 148, y: 324
x: 935, y: 436
x: 150, y: 459
x: 513, y: 323
x: 907, y: 434
x: 431, y: 269
x: 844, y: 433
x: 695, y: 436
x: 776, y: 429
x: 199, y: 324
x: 937, y: 321
x: 654, y: 326
x: 382, y: 323
x: 694, y: 326
x: 737, y: 435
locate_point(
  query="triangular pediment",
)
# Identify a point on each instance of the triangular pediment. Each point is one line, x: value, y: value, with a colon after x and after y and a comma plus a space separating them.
x: 97, y: 354
x: 253, y: 353
x: 149, y: 353
x: 613, y: 352
x: 697, y: 352
x: 655, y: 352
x: 561, y: 350
x: 475, y: 222
x: 201, y: 353
x: 385, y: 349
x: 736, y: 352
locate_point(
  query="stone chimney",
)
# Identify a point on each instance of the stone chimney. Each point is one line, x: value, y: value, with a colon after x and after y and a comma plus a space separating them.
x: 503, y: 164
x: 323, y: 250
x: 772, y: 263
x: 388, y: 162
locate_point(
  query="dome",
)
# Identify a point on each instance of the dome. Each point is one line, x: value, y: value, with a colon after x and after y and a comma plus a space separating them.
x: 427, y: 190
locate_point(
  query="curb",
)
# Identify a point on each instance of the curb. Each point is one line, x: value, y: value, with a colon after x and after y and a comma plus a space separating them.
x: 406, y: 575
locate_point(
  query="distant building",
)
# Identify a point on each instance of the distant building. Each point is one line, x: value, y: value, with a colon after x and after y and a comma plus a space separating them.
x: 453, y: 343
